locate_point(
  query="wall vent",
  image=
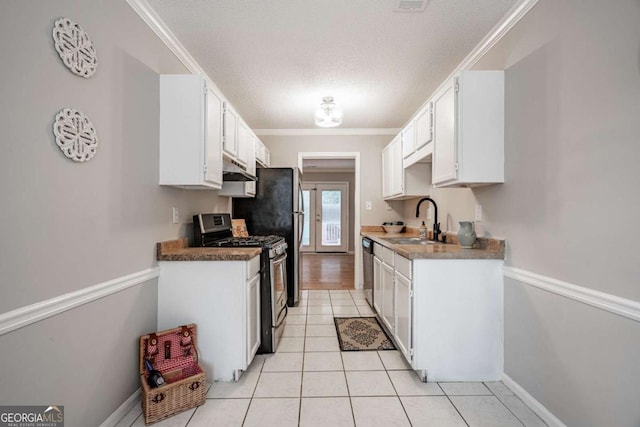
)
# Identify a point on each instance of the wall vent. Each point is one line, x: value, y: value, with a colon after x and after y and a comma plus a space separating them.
x: 411, y: 5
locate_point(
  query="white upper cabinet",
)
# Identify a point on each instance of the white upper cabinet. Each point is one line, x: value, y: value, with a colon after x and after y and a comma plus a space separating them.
x: 190, y: 133
x: 263, y: 155
x: 399, y: 182
x: 244, y: 188
x: 245, y: 144
x: 408, y: 140
x: 417, y: 137
x: 469, y: 130
x: 230, y: 147
x: 424, y: 126
x: 444, y: 161
x: 392, y: 173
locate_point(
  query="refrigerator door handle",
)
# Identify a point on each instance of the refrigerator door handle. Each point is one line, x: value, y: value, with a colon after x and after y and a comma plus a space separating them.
x: 301, y: 229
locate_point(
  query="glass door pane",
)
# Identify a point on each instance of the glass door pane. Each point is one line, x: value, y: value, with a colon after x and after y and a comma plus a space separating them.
x: 331, y: 217
x: 305, y: 233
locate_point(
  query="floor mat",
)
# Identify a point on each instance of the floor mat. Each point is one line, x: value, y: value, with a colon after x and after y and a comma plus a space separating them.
x: 362, y: 333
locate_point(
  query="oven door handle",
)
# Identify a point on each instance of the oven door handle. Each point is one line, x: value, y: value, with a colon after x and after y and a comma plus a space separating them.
x: 279, y: 259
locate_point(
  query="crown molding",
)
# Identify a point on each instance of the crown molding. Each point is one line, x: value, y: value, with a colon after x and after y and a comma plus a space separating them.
x: 158, y: 26
x: 326, y: 132
x: 515, y: 14
x: 151, y: 18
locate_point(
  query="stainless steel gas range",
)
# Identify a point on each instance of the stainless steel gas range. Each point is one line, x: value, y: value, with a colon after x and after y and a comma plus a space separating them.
x: 214, y: 230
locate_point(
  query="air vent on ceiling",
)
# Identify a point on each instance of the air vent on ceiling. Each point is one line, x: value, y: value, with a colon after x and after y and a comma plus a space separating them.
x: 411, y: 5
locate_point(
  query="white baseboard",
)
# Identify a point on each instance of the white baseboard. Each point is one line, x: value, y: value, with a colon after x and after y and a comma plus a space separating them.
x: 23, y: 316
x: 531, y: 402
x: 122, y: 410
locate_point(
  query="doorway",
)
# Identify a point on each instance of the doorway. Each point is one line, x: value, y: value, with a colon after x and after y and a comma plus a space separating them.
x: 326, y: 270
x: 327, y: 217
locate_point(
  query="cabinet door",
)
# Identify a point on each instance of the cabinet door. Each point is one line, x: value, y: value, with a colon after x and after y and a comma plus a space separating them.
x: 213, y: 146
x: 387, y: 297
x: 387, y: 175
x: 424, y: 128
x: 251, y: 163
x: 230, y: 146
x: 377, y: 285
x: 245, y: 141
x: 408, y: 140
x: 397, y: 169
x: 403, y: 314
x: 253, y: 317
x: 444, y: 149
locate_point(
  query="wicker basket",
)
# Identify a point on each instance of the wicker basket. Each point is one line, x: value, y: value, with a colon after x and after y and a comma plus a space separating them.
x: 174, y: 353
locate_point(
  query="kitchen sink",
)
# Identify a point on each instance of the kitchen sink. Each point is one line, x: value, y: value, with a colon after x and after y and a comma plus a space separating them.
x: 409, y: 241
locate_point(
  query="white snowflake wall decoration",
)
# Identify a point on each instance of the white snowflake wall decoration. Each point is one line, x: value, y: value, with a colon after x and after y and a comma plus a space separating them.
x: 75, y: 48
x: 75, y: 135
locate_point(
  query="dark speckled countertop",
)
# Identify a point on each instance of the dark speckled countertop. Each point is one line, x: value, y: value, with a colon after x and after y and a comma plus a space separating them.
x: 484, y: 248
x: 179, y: 250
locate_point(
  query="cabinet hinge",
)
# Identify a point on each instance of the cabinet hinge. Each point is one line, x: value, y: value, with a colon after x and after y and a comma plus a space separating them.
x: 411, y: 294
x: 411, y: 353
x: 456, y: 87
x: 456, y: 166
x: 205, y: 168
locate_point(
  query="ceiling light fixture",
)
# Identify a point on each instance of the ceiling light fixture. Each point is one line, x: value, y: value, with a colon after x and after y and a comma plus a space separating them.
x: 328, y: 116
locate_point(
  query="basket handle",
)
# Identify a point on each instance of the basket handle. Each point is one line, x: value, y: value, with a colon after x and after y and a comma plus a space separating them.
x: 194, y: 385
x: 158, y: 398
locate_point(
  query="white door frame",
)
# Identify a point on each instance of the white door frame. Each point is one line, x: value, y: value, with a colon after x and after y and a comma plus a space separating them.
x: 357, y: 282
x: 343, y: 186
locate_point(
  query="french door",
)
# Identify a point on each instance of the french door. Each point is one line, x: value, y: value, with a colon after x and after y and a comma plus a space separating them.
x: 326, y: 226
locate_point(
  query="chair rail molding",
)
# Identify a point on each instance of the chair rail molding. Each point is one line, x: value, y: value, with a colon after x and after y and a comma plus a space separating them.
x: 23, y: 316
x: 602, y: 300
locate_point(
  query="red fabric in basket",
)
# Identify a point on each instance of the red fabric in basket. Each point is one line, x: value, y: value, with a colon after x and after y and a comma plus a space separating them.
x: 181, y: 353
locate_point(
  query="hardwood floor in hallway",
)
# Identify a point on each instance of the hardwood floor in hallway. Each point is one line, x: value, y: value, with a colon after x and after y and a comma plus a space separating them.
x: 327, y: 271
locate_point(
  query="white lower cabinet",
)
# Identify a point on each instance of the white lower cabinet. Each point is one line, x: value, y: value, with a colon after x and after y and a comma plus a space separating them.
x: 377, y: 284
x: 223, y: 299
x: 402, y: 314
x: 387, y: 296
x: 445, y: 315
x: 253, y: 312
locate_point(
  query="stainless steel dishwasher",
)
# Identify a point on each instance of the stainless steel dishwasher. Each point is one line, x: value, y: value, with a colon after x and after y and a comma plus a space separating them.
x: 367, y: 269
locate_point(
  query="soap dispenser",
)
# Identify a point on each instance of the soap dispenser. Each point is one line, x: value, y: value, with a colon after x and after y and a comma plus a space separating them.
x: 423, y: 231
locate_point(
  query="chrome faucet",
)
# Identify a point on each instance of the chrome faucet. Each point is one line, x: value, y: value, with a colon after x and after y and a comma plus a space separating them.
x: 436, y: 224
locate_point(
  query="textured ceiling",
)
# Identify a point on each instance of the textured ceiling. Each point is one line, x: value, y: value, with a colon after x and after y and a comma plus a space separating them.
x: 275, y: 59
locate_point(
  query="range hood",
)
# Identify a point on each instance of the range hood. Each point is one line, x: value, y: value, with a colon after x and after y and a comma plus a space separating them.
x: 232, y: 171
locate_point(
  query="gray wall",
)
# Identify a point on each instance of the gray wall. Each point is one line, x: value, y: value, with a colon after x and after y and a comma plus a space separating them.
x: 348, y: 177
x: 284, y: 153
x: 569, y: 206
x: 66, y: 226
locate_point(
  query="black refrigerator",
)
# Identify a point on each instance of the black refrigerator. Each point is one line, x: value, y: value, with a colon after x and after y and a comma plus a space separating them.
x: 277, y: 208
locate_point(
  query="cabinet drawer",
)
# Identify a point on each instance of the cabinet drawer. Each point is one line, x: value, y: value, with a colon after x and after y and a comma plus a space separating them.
x: 403, y: 265
x: 254, y: 267
x: 387, y: 256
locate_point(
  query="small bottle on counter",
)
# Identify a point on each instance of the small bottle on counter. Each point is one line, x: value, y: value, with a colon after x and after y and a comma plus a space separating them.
x: 423, y: 231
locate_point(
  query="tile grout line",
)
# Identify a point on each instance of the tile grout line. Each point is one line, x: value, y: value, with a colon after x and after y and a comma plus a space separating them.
x: 506, y: 406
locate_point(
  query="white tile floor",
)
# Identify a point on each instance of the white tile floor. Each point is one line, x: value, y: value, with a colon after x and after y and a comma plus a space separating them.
x: 310, y: 382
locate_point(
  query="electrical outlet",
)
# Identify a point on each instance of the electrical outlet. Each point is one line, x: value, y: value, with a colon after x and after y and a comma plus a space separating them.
x: 478, y: 212
x: 176, y: 215
x: 367, y: 205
